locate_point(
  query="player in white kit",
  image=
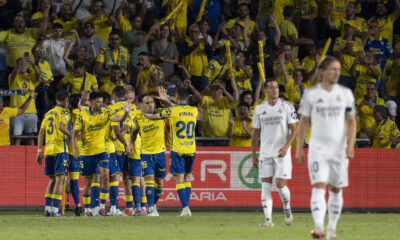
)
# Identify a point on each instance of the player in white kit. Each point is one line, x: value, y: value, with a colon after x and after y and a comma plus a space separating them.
x: 328, y: 106
x: 275, y: 121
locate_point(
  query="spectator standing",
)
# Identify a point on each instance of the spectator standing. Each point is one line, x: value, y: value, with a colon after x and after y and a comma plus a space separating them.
x: 99, y: 18
x: 89, y: 40
x: 70, y: 24
x: 239, y: 128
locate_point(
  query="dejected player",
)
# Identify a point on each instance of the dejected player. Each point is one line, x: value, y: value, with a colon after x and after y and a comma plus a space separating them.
x: 329, y: 107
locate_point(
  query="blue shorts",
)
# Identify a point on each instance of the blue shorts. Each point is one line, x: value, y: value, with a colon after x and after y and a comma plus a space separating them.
x: 154, y: 164
x: 89, y: 164
x: 122, y: 161
x: 181, y: 163
x: 114, y: 167
x: 56, y: 165
x: 135, y: 167
x: 73, y: 164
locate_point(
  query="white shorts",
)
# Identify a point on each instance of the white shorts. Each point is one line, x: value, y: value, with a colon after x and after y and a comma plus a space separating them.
x: 332, y: 170
x: 275, y: 167
x: 24, y: 123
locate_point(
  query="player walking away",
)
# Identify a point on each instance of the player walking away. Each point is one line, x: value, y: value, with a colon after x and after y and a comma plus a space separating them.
x: 54, y: 127
x: 328, y: 106
x: 275, y: 122
x: 183, y: 123
x: 153, y: 151
x: 90, y: 123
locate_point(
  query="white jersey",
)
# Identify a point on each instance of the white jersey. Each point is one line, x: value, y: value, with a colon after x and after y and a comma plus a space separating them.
x: 273, y: 122
x: 328, y: 118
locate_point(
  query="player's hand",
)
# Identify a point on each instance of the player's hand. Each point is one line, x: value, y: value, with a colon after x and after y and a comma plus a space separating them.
x: 282, y: 152
x: 128, y: 107
x: 300, y: 156
x: 255, y: 161
x: 39, y: 158
x: 162, y: 93
x: 75, y: 153
x: 129, y: 149
x: 350, y: 152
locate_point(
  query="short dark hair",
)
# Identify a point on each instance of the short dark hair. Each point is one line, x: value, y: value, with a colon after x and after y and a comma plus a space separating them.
x: 74, y: 100
x: 95, y: 95
x: 141, y: 96
x: 269, y: 80
x: 182, y: 93
x: 244, y: 93
x: 143, y: 54
x: 78, y: 64
x: 105, y: 96
x: 119, y: 92
x: 115, y: 67
x: 61, y: 95
x: 243, y: 104
x: 57, y: 26
x: 114, y: 31
x: 288, y: 11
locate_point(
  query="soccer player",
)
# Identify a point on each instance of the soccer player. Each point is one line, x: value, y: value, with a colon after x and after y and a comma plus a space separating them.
x: 153, y: 151
x: 183, y: 123
x: 54, y: 127
x: 90, y: 123
x: 275, y: 122
x: 330, y: 109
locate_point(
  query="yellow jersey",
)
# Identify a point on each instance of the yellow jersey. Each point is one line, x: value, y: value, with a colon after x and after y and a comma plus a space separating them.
x: 363, y: 78
x: 358, y: 23
x: 56, y: 141
x: 5, y: 116
x: 196, y: 62
x: 243, y: 82
x: 277, y: 11
x: 215, y: 71
x: 239, y: 135
x: 38, y: 15
x: 24, y: 82
x: 145, y: 73
x: 308, y: 64
x: 366, y: 114
x: 76, y: 82
x: 391, y: 74
x: 182, y: 121
x: 109, y: 86
x: 288, y: 29
x: 250, y: 26
x: 152, y: 133
x: 215, y: 116
x: 102, y: 27
x: 385, y: 26
x: 93, y: 130
x: 45, y: 72
x: 382, y: 133
x: 289, y: 69
x: 74, y: 114
x: 294, y: 92
x: 17, y: 44
x: 348, y: 59
x: 127, y: 136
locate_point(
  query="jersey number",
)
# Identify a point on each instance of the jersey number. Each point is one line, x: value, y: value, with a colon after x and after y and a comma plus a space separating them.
x: 189, y: 129
x: 51, y: 130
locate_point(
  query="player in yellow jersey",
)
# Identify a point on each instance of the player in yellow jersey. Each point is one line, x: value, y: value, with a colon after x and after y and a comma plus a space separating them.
x: 54, y: 127
x: 90, y: 123
x: 153, y: 151
x: 182, y: 119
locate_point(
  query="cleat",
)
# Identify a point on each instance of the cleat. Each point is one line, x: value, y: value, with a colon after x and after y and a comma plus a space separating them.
x: 88, y: 214
x: 185, y: 212
x: 144, y: 212
x: 57, y: 214
x: 95, y: 212
x: 331, y: 234
x: 48, y: 213
x: 117, y: 213
x: 103, y: 213
x: 128, y: 212
x: 288, y: 217
x: 78, y: 211
x: 138, y: 212
x: 267, y: 224
x: 317, y: 234
x: 153, y: 212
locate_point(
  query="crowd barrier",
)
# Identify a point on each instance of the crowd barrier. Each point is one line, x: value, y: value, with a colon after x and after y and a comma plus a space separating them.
x: 223, y: 177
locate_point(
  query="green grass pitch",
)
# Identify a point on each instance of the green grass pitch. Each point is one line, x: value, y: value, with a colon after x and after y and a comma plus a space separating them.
x: 202, y: 225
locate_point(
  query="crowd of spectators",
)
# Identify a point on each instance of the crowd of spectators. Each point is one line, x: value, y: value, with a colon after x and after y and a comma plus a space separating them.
x: 96, y: 45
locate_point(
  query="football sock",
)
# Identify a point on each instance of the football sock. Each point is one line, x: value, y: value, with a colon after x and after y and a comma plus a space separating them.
x: 95, y: 194
x: 103, y: 198
x: 158, y: 192
x: 128, y: 200
x: 266, y: 200
x: 143, y: 201
x: 180, y: 188
x: 48, y: 201
x: 335, y: 204
x: 285, y: 196
x: 188, y: 188
x: 56, y: 199
x: 150, y: 193
x: 136, y: 192
x: 318, y: 207
x: 87, y: 202
x: 114, y: 189
x: 73, y: 183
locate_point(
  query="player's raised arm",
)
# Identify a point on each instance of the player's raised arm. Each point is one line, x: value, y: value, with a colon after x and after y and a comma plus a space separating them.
x: 302, y: 131
x: 163, y: 97
x: 39, y: 157
x: 120, y: 118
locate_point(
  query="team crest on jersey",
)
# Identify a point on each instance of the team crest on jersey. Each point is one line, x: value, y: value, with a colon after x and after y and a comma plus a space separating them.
x: 280, y: 110
x: 338, y: 98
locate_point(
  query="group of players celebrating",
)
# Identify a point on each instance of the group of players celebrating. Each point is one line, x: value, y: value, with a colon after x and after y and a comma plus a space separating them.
x: 128, y: 137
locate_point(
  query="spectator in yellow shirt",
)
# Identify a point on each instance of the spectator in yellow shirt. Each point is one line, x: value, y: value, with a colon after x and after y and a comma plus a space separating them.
x: 154, y: 79
x: 360, y: 25
x: 290, y: 63
x: 239, y: 128
x: 385, y: 133
x: 386, y: 21
x: 67, y: 21
x: 101, y: 21
x: 243, y: 15
x: 115, y: 80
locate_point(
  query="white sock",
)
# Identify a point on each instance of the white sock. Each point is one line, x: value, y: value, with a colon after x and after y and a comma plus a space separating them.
x: 318, y: 207
x: 113, y: 208
x: 87, y: 210
x: 285, y: 196
x: 55, y: 209
x: 48, y: 208
x: 266, y: 200
x: 335, y: 204
x: 102, y: 206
